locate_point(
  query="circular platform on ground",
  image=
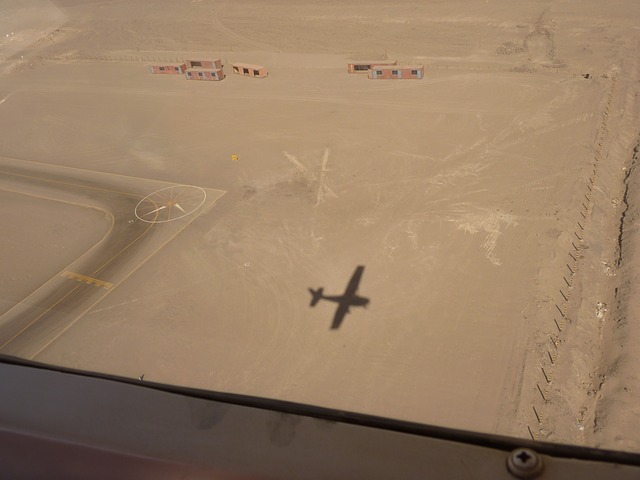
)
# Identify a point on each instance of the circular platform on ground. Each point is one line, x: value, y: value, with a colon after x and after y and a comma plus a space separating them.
x: 170, y: 203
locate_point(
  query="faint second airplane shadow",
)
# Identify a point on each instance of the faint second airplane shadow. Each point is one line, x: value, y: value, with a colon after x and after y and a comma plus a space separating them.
x: 348, y: 299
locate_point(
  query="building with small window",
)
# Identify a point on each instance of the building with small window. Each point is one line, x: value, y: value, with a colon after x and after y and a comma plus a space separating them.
x: 172, y: 68
x: 390, y: 72
x: 364, y: 67
x: 204, y: 70
x: 215, y: 74
x: 206, y: 64
x: 249, y: 70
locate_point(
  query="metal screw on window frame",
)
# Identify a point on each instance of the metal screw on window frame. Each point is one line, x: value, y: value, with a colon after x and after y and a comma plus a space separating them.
x: 524, y: 463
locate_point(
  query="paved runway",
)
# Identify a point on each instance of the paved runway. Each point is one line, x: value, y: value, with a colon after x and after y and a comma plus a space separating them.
x: 145, y: 215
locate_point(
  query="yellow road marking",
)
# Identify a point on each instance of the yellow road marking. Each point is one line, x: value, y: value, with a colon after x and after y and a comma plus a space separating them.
x: 88, y: 280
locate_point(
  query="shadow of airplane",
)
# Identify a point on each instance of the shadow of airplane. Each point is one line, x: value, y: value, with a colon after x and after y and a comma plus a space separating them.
x: 345, y: 301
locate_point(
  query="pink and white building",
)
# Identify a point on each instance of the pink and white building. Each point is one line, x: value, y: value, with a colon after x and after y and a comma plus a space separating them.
x: 215, y: 74
x: 169, y: 69
x: 364, y: 67
x: 388, y: 72
x: 206, y: 64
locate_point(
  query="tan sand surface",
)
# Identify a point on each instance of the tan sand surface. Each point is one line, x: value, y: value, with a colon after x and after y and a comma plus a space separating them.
x: 485, y: 202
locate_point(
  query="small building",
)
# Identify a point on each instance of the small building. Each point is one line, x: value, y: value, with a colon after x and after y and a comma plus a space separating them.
x: 171, y: 68
x: 364, y: 67
x: 215, y: 74
x: 206, y: 64
x: 249, y: 70
x: 396, y: 72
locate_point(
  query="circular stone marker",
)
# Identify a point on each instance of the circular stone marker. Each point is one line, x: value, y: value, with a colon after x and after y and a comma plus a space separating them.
x: 170, y: 203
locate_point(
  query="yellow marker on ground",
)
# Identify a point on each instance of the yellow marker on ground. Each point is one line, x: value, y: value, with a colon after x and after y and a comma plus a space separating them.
x: 234, y: 158
x: 88, y: 280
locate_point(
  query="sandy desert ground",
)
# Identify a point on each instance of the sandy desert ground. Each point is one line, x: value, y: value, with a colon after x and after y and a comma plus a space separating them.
x: 493, y: 204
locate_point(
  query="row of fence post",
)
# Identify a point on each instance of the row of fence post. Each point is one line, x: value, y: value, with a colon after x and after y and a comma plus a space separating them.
x: 550, y: 359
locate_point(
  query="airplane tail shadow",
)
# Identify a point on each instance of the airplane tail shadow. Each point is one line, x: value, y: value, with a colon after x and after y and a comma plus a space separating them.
x: 316, y: 296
